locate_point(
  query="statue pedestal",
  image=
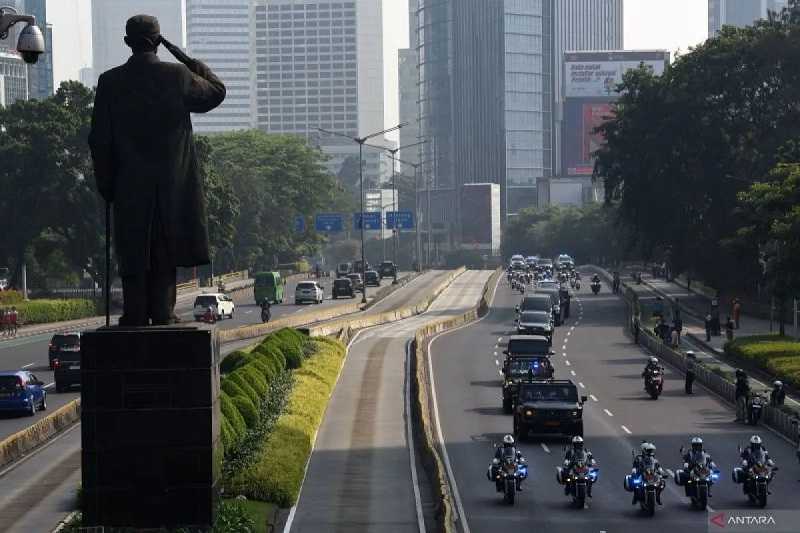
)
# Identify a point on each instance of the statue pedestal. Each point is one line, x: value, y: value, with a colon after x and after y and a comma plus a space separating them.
x: 150, y: 426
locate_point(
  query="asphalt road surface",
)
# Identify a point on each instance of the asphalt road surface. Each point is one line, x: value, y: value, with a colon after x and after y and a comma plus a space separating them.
x: 592, y: 350
x: 30, y: 353
x: 359, y: 477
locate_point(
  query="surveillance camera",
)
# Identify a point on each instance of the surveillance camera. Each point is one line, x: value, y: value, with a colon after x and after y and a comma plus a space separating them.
x: 31, y: 43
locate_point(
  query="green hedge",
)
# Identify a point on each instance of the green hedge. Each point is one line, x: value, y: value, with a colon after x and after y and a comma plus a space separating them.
x: 44, y: 311
x: 232, y: 361
x: 278, y: 471
x: 248, y: 410
x: 231, y: 415
x: 10, y: 297
x: 780, y: 356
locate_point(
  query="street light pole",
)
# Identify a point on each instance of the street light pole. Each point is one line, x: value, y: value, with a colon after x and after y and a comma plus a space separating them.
x: 395, y: 207
x: 361, y: 141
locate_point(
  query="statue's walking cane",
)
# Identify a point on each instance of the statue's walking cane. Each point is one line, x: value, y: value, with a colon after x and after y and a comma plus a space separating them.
x: 107, y: 279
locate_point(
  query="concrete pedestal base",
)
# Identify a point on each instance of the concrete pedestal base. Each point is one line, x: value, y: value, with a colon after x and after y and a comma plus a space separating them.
x: 150, y: 426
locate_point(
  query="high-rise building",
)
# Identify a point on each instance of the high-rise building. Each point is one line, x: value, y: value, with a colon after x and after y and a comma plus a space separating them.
x: 218, y: 32
x: 580, y: 25
x: 40, y: 75
x: 407, y: 77
x: 13, y: 77
x: 87, y: 77
x: 108, y: 28
x: 739, y: 12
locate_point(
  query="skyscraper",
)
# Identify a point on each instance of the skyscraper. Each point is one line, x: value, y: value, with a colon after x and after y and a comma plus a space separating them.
x: 13, y: 77
x: 218, y: 32
x: 739, y: 12
x: 108, y: 28
x: 407, y: 80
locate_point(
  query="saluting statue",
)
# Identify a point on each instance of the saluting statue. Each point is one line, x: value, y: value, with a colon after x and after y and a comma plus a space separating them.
x: 145, y: 165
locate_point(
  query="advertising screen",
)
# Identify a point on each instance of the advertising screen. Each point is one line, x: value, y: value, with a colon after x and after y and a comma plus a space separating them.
x: 580, y: 141
x: 597, y: 74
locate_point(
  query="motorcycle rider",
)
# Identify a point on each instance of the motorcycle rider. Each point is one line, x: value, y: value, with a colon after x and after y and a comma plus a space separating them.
x: 596, y: 278
x: 652, y: 366
x: 755, y: 453
x: 697, y: 456
x: 209, y: 315
x: 691, y: 364
x: 506, y: 450
x: 777, y: 396
x: 265, y: 310
x: 615, y: 282
x: 578, y: 454
x: 647, y: 457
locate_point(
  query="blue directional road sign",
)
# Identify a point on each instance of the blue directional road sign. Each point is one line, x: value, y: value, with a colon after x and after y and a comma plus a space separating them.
x: 329, y: 222
x: 399, y: 220
x: 372, y: 220
x: 300, y: 224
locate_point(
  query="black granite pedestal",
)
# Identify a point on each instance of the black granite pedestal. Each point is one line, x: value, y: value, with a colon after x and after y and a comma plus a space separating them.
x: 150, y: 426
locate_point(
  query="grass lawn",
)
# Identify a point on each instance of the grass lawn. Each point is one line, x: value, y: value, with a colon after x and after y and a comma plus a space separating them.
x: 780, y: 356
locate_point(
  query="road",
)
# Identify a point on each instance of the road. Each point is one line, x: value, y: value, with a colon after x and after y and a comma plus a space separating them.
x: 593, y: 351
x: 40, y: 489
x: 359, y: 477
x: 30, y: 353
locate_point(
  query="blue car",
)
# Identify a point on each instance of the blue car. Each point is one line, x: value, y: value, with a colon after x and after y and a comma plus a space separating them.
x: 22, y: 391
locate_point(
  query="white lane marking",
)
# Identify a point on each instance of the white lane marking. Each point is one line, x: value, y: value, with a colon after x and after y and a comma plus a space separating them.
x: 572, y: 329
x: 545, y: 448
x: 248, y: 312
x: 499, y: 339
x: 594, y: 398
x: 49, y: 385
x: 499, y: 372
x: 410, y: 443
x: 28, y: 365
x: 497, y: 362
x: 563, y: 354
x: 626, y: 430
x: 572, y: 372
x: 495, y: 354
x: 568, y: 334
x: 581, y: 384
x: 609, y: 413
x: 564, y: 346
x: 567, y: 362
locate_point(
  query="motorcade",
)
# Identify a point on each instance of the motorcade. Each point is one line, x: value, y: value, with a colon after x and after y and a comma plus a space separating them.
x: 654, y: 382
x: 372, y: 278
x: 535, y: 302
x: 527, y: 345
x: 387, y: 269
x: 508, y: 473
x: 519, y: 368
x: 550, y: 406
x: 358, y: 281
x: 555, y: 299
x: 544, y: 264
x: 645, y: 484
x: 269, y: 285
x: 530, y: 261
x: 61, y: 343
x: 360, y: 266
x: 308, y: 291
x: 565, y: 261
x: 548, y: 284
x: 536, y: 323
x: 221, y: 305
x: 342, y: 287
x: 22, y: 392
x: 343, y: 269
x: 516, y: 258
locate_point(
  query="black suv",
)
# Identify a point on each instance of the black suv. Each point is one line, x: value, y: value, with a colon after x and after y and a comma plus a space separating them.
x: 61, y: 344
x: 67, y: 370
x: 372, y: 278
x: 548, y: 406
x: 342, y: 287
x: 518, y: 368
x: 387, y: 270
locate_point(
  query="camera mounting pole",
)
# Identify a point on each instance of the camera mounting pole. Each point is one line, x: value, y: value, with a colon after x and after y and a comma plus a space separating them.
x: 9, y: 19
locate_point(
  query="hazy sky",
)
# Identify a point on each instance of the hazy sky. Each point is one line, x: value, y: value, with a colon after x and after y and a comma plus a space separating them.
x: 649, y: 24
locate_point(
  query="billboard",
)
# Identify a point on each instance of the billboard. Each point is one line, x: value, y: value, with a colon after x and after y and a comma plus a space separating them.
x: 581, y: 119
x: 597, y: 74
x: 480, y: 217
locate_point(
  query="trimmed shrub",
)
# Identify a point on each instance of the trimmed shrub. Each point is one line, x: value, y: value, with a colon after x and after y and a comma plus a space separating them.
x: 44, y: 311
x: 10, y: 297
x: 278, y: 472
x: 272, y: 351
x: 240, y: 379
x: 247, y: 409
x: 226, y: 434
x: 233, y: 361
x: 780, y: 356
x: 231, y: 414
x: 255, y: 379
x: 263, y: 365
x: 231, y: 388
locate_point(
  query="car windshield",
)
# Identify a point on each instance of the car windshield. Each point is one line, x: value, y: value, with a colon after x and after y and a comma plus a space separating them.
x: 528, y: 346
x: 341, y: 283
x: 372, y: 275
x: 535, y: 317
x: 548, y: 285
x: 265, y: 281
x: 519, y: 367
x: 547, y: 392
x: 535, y: 304
x: 205, y: 301
x: 305, y: 285
x: 8, y: 383
x: 66, y: 341
x: 545, y: 262
x: 387, y: 264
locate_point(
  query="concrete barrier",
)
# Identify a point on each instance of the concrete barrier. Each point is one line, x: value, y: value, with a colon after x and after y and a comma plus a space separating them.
x: 19, y: 444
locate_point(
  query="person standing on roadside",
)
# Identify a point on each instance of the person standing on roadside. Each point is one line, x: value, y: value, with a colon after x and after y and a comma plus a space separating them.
x: 737, y: 312
x: 707, y: 324
x: 674, y: 338
x: 742, y: 395
x: 729, y: 327
x: 691, y: 361
x: 777, y: 396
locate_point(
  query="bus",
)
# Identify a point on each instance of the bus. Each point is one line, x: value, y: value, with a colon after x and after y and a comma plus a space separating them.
x: 269, y: 285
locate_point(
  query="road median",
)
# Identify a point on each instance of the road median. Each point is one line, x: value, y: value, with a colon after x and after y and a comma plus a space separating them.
x: 23, y: 442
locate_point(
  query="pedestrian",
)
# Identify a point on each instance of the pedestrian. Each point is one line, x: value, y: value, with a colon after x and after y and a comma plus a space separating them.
x: 675, y: 338
x: 691, y: 361
x: 729, y: 326
x: 567, y: 298
x: 676, y: 309
x: 12, y: 321
x: 636, y: 327
x: 3, y: 325
x: 707, y: 321
x: 688, y: 282
x: 737, y: 311
x: 742, y: 395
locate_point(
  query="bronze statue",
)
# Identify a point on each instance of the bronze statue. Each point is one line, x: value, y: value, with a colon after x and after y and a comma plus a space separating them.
x: 145, y: 166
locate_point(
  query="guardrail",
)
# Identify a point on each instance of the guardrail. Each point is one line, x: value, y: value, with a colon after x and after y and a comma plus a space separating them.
x: 189, y: 286
x: 17, y: 445
x: 775, y: 418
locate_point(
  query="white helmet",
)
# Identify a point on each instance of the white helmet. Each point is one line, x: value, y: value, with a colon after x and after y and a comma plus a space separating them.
x: 778, y: 384
x: 697, y: 444
x: 755, y: 441
x: 577, y: 442
x: 654, y: 360
x: 649, y: 448
x: 508, y: 440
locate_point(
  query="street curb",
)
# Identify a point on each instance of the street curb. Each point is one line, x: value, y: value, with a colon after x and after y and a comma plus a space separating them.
x: 16, y: 446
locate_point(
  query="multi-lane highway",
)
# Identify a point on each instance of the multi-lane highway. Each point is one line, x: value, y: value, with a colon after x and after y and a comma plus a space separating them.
x: 360, y: 476
x: 593, y: 351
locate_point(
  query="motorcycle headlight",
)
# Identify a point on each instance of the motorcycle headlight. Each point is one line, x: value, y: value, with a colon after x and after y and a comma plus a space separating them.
x: 574, y: 413
x: 530, y: 412
x: 548, y: 327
